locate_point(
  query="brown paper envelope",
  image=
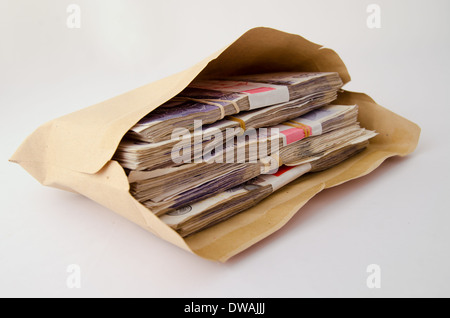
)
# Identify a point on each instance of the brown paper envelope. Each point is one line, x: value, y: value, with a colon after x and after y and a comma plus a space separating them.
x: 74, y: 152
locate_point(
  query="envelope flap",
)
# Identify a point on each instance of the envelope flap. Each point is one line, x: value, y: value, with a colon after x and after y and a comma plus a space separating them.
x: 264, y: 50
x: 86, y: 140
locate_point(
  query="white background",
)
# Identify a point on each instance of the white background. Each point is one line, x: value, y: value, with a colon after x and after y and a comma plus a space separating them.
x: 397, y: 217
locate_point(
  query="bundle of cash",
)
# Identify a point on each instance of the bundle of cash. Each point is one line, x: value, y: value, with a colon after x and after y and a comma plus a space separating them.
x: 254, y: 144
x: 135, y: 153
x: 194, y: 217
x: 222, y: 145
x: 212, y: 100
x: 166, y: 189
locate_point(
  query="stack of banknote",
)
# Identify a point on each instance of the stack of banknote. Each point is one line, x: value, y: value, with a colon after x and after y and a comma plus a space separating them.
x: 222, y: 145
x: 149, y: 143
x: 212, y: 100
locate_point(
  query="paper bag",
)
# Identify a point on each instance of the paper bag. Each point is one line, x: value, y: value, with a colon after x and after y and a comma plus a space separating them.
x: 74, y: 152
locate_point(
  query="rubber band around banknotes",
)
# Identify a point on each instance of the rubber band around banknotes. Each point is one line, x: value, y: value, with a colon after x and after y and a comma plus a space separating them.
x: 306, y: 129
x: 239, y: 121
x: 212, y: 102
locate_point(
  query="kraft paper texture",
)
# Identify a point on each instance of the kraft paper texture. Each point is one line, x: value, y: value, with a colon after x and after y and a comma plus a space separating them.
x: 74, y: 152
